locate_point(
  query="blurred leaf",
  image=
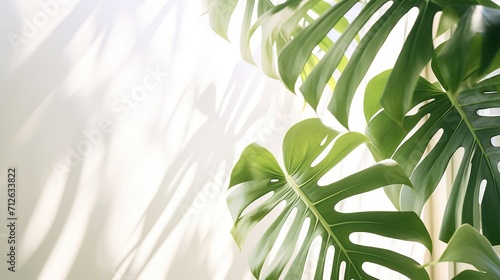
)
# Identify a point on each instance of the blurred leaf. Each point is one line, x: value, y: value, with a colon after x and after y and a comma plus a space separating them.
x: 220, y: 12
x: 310, y: 40
x: 476, y: 42
x: 451, y: 16
x: 491, y: 38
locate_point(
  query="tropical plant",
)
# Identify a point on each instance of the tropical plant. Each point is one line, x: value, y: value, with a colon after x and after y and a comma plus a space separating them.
x: 469, y: 246
x: 330, y: 46
x: 307, y: 159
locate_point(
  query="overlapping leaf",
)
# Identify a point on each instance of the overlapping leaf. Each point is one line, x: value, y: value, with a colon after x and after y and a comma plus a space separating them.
x: 468, y: 246
x: 456, y: 114
x: 257, y: 173
x: 307, y: 49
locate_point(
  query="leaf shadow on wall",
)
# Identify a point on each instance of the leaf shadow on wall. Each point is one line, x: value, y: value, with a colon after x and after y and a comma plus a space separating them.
x: 209, y: 154
x: 46, y: 120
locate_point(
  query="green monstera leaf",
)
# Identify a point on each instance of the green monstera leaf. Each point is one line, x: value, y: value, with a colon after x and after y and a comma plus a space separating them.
x: 306, y: 160
x: 468, y: 246
x: 279, y: 24
x: 459, y: 112
x: 310, y: 40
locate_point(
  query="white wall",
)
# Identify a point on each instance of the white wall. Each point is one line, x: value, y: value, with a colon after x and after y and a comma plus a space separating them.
x: 147, y: 199
x: 121, y: 172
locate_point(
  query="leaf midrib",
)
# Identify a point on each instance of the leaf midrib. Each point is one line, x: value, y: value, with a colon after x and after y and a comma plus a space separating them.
x: 295, y: 187
x: 472, y: 129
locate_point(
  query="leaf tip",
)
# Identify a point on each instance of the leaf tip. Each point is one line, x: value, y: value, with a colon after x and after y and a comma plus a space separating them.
x: 239, y: 241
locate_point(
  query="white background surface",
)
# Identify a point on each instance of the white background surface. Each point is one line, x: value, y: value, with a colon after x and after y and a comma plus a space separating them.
x: 143, y: 198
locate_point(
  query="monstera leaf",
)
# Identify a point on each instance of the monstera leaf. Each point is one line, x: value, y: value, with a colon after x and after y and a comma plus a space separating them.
x: 469, y: 246
x: 459, y: 113
x: 279, y: 23
x: 310, y: 39
x: 306, y: 160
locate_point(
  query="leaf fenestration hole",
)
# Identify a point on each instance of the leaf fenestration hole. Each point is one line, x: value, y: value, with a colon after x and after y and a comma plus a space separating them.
x: 489, y: 112
x: 323, y: 154
x: 312, y: 14
x: 415, y: 109
x: 355, y: 161
x: 414, y: 129
x: 328, y: 262
x: 300, y: 241
x: 303, y: 231
x: 323, y: 141
x: 285, y: 229
x: 435, y: 139
x: 274, y: 180
x: 312, y: 259
x: 403, y: 247
x: 381, y: 272
x: 498, y: 167
x: 495, y: 141
x: 256, y: 203
x: 342, y: 270
x: 437, y: 17
x: 374, y: 200
x: 491, y: 92
x: 431, y: 144
x: 482, y: 188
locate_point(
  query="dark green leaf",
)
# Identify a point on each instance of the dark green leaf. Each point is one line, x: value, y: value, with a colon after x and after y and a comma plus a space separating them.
x: 455, y: 115
x: 416, y: 53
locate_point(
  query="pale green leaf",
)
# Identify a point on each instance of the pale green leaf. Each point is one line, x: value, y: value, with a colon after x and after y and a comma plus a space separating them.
x: 257, y: 173
x: 220, y: 13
